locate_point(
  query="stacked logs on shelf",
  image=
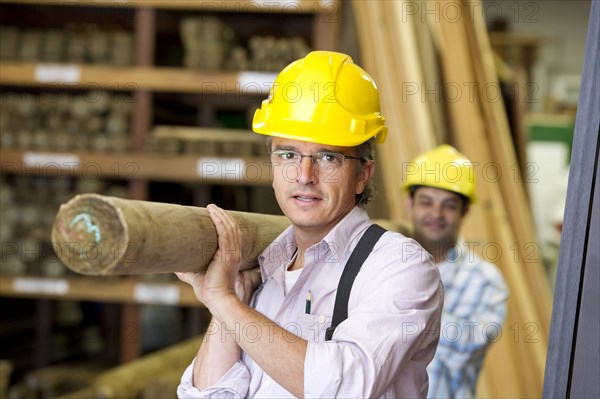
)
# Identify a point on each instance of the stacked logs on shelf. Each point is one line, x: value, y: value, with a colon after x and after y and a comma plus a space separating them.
x: 401, y: 54
x: 75, y: 43
x: 209, y: 44
x: 97, y: 121
x: 268, y: 53
x: 205, y: 141
x: 206, y: 41
x: 28, y: 206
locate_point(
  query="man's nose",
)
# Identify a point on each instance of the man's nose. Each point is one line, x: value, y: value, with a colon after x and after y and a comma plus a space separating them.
x: 436, y: 211
x: 308, y: 171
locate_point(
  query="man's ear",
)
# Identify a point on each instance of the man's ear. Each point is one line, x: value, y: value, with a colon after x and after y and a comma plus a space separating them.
x: 465, y: 209
x: 367, y: 171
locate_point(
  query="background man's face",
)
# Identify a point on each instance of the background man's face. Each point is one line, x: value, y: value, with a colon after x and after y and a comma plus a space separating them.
x: 436, y: 216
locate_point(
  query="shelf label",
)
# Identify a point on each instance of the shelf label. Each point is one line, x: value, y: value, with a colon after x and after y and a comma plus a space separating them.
x: 40, y: 286
x: 46, y: 73
x: 156, y: 293
x: 38, y: 159
x: 256, y: 82
x: 221, y: 168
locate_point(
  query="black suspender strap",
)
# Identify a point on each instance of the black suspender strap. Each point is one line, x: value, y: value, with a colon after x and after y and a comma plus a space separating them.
x: 357, y: 258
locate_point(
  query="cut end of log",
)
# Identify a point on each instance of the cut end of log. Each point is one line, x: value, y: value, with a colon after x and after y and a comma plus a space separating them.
x: 89, y: 235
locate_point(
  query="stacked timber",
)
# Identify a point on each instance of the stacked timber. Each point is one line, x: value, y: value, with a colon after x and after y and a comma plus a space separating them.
x: 416, y: 101
x: 97, y: 121
x: 9, y: 43
x: 206, y: 141
x: 209, y: 44
x: 75, y: 43
x: 206, y: 41
x: 267, y: 53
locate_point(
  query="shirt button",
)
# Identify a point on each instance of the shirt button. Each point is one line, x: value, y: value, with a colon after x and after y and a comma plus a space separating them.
x: 267, y: 383
x: 321, y: 319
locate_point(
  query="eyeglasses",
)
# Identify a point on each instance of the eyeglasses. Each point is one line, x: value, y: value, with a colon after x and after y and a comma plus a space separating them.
x: 324, y: 159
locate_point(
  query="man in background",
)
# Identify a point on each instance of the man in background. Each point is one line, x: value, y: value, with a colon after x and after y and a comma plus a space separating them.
x: 441, y: 187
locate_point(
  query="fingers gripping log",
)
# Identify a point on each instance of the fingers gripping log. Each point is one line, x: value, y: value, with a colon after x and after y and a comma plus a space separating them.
x: 99, y: 235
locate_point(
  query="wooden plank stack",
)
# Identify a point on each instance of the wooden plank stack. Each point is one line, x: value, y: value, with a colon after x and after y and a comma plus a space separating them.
x: 468, y: 95
x: 390, y: 56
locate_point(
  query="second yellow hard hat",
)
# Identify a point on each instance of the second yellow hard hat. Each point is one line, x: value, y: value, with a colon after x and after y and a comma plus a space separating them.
x: 443, y: 167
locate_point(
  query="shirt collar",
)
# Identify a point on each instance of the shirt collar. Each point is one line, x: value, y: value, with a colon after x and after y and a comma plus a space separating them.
x: 281, y: 250
x: 455, y: 254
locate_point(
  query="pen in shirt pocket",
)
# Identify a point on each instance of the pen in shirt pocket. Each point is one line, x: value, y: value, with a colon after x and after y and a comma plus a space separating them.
x: 308, y: 302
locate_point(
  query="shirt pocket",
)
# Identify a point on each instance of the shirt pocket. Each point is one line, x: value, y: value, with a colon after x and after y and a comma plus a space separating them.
x: 313, y: 327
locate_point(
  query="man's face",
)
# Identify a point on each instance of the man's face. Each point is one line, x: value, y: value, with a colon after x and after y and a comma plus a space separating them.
x: 313, y: 197
x: 436, y: 216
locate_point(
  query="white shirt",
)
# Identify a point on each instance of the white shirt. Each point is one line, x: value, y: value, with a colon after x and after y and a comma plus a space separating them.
x: 381, y: 349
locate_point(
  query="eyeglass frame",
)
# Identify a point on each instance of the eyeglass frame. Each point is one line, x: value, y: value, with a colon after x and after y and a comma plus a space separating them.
x: 313, y: 159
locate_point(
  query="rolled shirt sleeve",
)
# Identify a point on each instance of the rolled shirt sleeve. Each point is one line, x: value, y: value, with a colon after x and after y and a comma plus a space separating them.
x: 234, y: 384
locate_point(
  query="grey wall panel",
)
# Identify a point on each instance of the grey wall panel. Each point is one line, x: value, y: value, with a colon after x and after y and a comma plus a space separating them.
x: 576, y: 235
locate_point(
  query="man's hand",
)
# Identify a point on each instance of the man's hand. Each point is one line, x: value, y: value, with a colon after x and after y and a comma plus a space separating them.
x: 223, y: 278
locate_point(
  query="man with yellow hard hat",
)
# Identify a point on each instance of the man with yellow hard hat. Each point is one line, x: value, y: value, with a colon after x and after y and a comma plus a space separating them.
x: 343, y: 308
x: 441, y: 184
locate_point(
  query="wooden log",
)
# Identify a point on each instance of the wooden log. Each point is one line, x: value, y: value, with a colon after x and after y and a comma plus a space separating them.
x: 128, y: 380
x: 85, y: 393
x: 98, y: 235
x: 6, y: 368
x: 163, y: 386
x: 21, y: 391
x: 51, y: 380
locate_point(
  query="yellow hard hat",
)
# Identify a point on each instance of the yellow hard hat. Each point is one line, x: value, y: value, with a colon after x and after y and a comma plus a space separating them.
x: 443, y: 167
x: 322, y: 98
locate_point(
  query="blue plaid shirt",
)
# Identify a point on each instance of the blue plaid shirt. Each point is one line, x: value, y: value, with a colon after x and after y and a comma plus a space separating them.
x: 474, y: 310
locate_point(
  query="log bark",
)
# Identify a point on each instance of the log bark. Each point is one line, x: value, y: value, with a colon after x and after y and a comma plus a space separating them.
x: 99, y: 235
